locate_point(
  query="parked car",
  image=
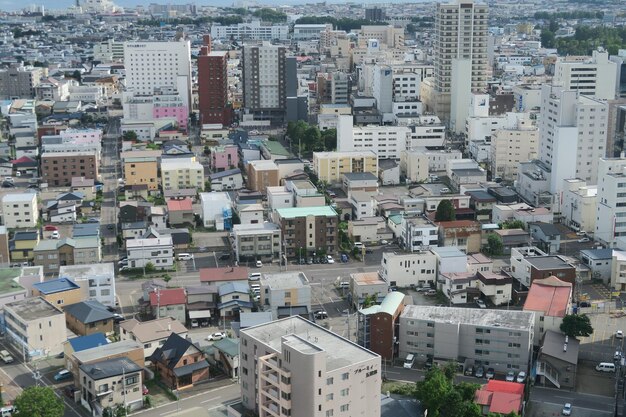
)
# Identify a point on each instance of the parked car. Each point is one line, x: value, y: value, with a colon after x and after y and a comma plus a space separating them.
x: 117, y: 318
x: 69, y: 391
x: 259, y: 264
x: 567, y: 409
x: 481, y: 303
x: 50, y: 228
x: 185, y: 256
x: 195, y: 323
x: 510, y: 376
x: 110, y: 227
x: 92, y: 220
x: 469, y: 371
x: 330, y: 259
x: 62, y: 375
x: 224, y: 256
x: 55, y: 235
x: 6, y: 356
x: 584, y: 240
x: 321, y: 314
x: 430, y: 292
x: 490, y: 374
x: 384, y: 242
x: 344, y: 258
x: 309, y: 261
x: 521, y: 377
x: 480, y: 372
x: 254, y: 276
x: 124, y: 268
x: 216, y: 336
x: 619, y: 334
x: 584, y: 304
x: 617, y: 355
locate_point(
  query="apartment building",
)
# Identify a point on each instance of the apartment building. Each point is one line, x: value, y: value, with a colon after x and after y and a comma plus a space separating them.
x: 285, y: 289
x: 35, y: 327
x: 509, y: 147
x: 611, y: 201
x: 330, y: 166
x: 529, y: 264
x: 182, y: 173
x: 52, y: 254
x: 387, y: 142
x: 594, y: 77
x: 253, y: 241
x: 308, y: 229
x: 580, y: 204
x: 20, y: 82
x: 418, y: 233
x: 97, y: 280
x: 618, y: 270
x: 20, y: 210
x: 404, y: 270
x: 108, y: 51
x: 262, y: 174
x: 250, y: 31
x: 292, y: 367
x: 499, y: 339
x: 58, y: 169
x: 142, y: 171
x: 377, y: 326
x: 213, y: 87
x: 157, y: 251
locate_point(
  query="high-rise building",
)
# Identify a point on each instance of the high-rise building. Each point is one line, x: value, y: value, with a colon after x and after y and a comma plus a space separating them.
x: 595, y: 77
x: 460, y: 59
x: 611, y: 202
x: 375, y: 14
x: 19, y: 82
x: 383, y: 88
x: 213, y: 87
x: 292, y: 367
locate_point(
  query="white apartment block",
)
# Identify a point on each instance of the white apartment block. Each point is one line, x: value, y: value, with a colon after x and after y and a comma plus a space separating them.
x: 151, y: 65
x: 108, y: 51
x: 407, y: 80
x: 20, y: 210
x: 511, y: 146
x: 284, y: 289
x: 157, y: 251
x: 611, y: 200
x: 414, y: 165
x: 579, y: 206
x: 97, y: 280
x: 595, y: 76
x: 250, y: 31
x: 425, y: 131
x: 419, y: 233
x: 292, y: 367
x: 181, y: 173
x: 386, y: 141
x: 418, y: 269
x: 499, y: 339
x: 618, y: 270
x: 251, y: 241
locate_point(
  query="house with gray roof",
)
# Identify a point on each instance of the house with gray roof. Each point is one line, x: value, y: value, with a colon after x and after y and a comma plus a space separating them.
x: 88, y: 317
x: 548, y: 235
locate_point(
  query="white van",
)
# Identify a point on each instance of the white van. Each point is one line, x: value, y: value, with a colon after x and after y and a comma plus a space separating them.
x: 255, y: 288
x: 409, y: 361
x: 185, y: 256
x: 7, y: 411
x: 605, y: 367
x: 343, y: 284
x: 255, y: 276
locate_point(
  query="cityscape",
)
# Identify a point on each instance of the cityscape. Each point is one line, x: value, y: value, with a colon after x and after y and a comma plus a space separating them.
x: 330, y: 209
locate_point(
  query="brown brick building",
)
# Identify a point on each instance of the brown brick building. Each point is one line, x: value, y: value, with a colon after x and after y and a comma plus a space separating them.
x: 262, y: 174
x: 308, y: 230
x: 377, y: 327
x: 58, y: 169
x: 213, y: 87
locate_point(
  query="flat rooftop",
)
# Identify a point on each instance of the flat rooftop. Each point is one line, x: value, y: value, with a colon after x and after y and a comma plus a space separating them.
x: 86, y: 271
x: 368, y: 278
x: 33, y: 309
x: 106, y: 351
x: 8, y: 284
x: 547, y: 262
x: 284, y: 280
x: 310, y: 338
x: 506, y: 319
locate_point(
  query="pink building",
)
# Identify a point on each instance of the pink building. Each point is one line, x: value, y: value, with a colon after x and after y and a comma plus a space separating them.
x: 178, y: 112
x: 224, y: 157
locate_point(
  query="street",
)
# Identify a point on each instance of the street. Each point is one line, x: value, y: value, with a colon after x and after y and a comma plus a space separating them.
x: 109, y: 176
x: 548, y: 402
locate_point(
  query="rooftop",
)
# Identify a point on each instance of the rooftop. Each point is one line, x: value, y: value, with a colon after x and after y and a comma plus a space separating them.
x: 81, y: 272
x: 88, y: 342
x: 8, y: 284
x: 550, y: 296
x: 228, y: 273
x: 180, y: 205
x: 367, y: 278
x: 309, y: 337
x: 284, y: 280
x: 506, y: 319
x: 548, y: 262
x: 360, y: 176
x: 33, y: 308
x: 56, y: 285
x: 597, y: 253
x: 231, y: 287
x: 448, y: 252
x: 553, y: 343
x: 168, y: 296
x: 150, y: 330
x: 254, y: 229
x: 294, y: 212
x: 109, y: 368
x: 18, y: 198
x: 390, y: 304
x: 89, y: 311
x: 254, y: 318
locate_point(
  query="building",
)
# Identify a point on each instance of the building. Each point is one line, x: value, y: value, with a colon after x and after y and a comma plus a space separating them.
x: 500, y: 397
x: 59, y: 292
x: 330, y: 166
x: 529, y: 264
x: 557, y: 362
x: 252, y: 241
x: 285, y: 289
x: 262, y: 174
x: 309, y: 230
x: 377, y: 326
x: 388, y: 142
x: 35, y: 327
x: 218, y: 276
x: 460, y: 58
x: 20, y: 82
x: 254, y: 30
x: 404, y: 270
x: 20, y: 210
x: 58, y: 169
x: 464, y: 234
x: 365, y: 286
x: 169, y: 302
x: 180, y: 211
x: 363, y: 183
x: 169, y: 61
x: 217, y: 210
x: 88, y: 317
x: 141, y: 171
x: 182, y: 173
x: 551, y: 300
x: 99, y: 388
x: 610, y: 201
x: 22, y: 245
x: 92, y: 351
x: 595, y: 77
x: 234, y: 300
x: 499, y: 339
x: 213, y: 87
x: 418, y: 233
x: 180, y: 363
x: 109, y: 50
x: 599, y: 262
x: 375, y: 14
x: 96, y: 280
x: 307, y: 360
x: 618, y: 270
x: 152, y: 333
x: 53, y: 253
x: 580, y: 203
x: 509, y: 147
x: 223, y: 157
x: 157, y: 251
x: 230, y: 179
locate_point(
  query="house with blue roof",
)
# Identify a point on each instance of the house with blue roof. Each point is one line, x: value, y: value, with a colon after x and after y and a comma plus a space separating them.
x: 234, y: 299
x: 81, y: 343
x: 59, y: 292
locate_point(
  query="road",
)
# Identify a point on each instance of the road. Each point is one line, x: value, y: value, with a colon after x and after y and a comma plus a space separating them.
x: 548, y: 399
x: 210, y: 403
x: 109, y: 176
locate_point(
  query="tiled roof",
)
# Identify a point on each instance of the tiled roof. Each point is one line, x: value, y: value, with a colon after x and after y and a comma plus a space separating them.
x: 168, y: 297
x: 180, y: 205
x: 550, y: 296
x: 223, y: 274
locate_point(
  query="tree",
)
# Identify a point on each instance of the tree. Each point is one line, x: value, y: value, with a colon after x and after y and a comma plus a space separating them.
x: 329, y: 139
x: 167, y: 278
x: 576, y: 325
x: 370, y: 300
x: 433, y: 391
x: 311, y: 138
x: 494, y: 244
x: 513, y: 224
x: 149, y: 268
x: 130, y: 135
x: 445, y: 211
x: 39, y: 402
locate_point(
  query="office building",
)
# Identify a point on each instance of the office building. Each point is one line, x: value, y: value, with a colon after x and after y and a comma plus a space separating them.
x: 254, y: 241
x: 499, y: 339
x: 611, y: 200
x: 250, y: 31
x: 109, y: 50
x: 292, y: 367
x: 460, y: 56
x: 213, y: 87
x: 156, y: 251
x: 594, y: 77
x: 382, y: 88
x: 308, y: 230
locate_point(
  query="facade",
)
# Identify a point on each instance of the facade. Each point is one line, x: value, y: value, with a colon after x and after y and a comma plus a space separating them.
x: 377, y: 326
x: 22, y: 245
x: 509, y: 147
x: 19, y: 82
x: 618, y: 270
x: 611, y: 210
x: 252, y: 241
x: 20, y: 210
x: 58, y: 169
x: 499, y: 339
x: 529, y: 264
x: 53, y: 254
x: 223, y: 158
x: 262, y: 174
x: 180, y: 363
x: 182, y: 173
x: 35, y: 326
x: 141, y: 171
x: 418, y: 233
x: 158, y: 251
x: 595, y: 77
x: 285, y: 289
x: 364, y: 285
x: 265, y: 79
x: 294, y: 367
x: 417, y: 269
x: 250, y: 31
x: 213, y: 87
x: 386, y: 141
x: 580, y: 203
x: 308, y: 230
x: 330, y: 166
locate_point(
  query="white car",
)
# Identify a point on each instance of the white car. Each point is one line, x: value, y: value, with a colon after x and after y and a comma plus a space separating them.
x: 510, y: 376
x: 384, y: 242
x: 584, y: 240
x: 215, y: 336
x: 55, y: 235
x: 330, y: 259
x: 619, y: 334
x: 521, y: 377
x: 567, y: 409
x: 185, y: 256
x: 259, y: 264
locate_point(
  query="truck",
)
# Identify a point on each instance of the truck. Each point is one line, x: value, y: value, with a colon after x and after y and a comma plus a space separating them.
x: 6, y: 356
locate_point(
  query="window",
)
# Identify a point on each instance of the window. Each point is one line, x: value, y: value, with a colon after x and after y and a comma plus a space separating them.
x: 344, y: 392
x: 329, y: 397
x: 329, y: 381
x: 345, y: 407
x: 345, y: 376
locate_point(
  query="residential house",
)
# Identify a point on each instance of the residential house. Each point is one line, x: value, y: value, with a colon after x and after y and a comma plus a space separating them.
x: 152, y: 333
x: 52, y: 254
x: 20, y: 210
x: 250, y: 213
x: 279, y: 197
x: 201, y: 302
x: 366, y: 285
x: 156, y: 251
x: 57, y: 212
x: 35, y: 326
x: 529, y: 264
x: 305, y: 193
x: 22, y: 245
x: 224, y: 157
x: 312, y: 229
x: 85, y: 186
x: 369, y: 230
x: 88, y: 317
x: 547, y: 235
x: 169, y: 302
x: 179, y: 363
x: 377, y: 325
x: 551, y: 300
x: 599, y: 262
x: 522, y: 212
x: 557, y: 361
x: 450, y: 260
x: 482, y: 203
x: 226, y: 356
x: 59, y: 292
x: 464, y: 234
x: 111, y: 383
x: 11, y: 289
x: 477, y: 262
x: 500, y: 398
x: 404, y: 270
x: 497, y: 287
x: 389, y: 172
x: 256, y: 241
x: 217, y: 210
x: 134, y: 211
x: 512, y: 238
x: 80, y: 343
x: 94, y: 353
x: 362, y: 205
x: 234, y: 299
x: 180, y: 212
x: 280, y: 289
x: 458, y: 287
x: 231, y: 179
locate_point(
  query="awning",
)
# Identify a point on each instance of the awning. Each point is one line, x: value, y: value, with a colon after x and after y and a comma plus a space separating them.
x: 200, y: 314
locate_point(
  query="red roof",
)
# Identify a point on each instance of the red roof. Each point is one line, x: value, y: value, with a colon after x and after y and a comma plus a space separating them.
x: 551, y: 296
x: 504, y: 386
x: 482, y: 397
x: 500, y: 396
x: 237, y: 273
x: 179, y: 205
x: 168, y: 297
x: 504, y: 403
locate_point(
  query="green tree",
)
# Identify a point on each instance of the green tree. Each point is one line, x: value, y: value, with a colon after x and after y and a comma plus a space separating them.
x: 370, y: 300
x: 494, y: 244
x: 576, y: 325
x: 433, y: 391
x: 150, y: 267
x: 513, y: 224
x: 270, y: 15
x: 130, y: 135
x: 329, y: 139
x: 311, y: 138
x: 445, y: 211
x: 167, y: 278
x: 39, y: 402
